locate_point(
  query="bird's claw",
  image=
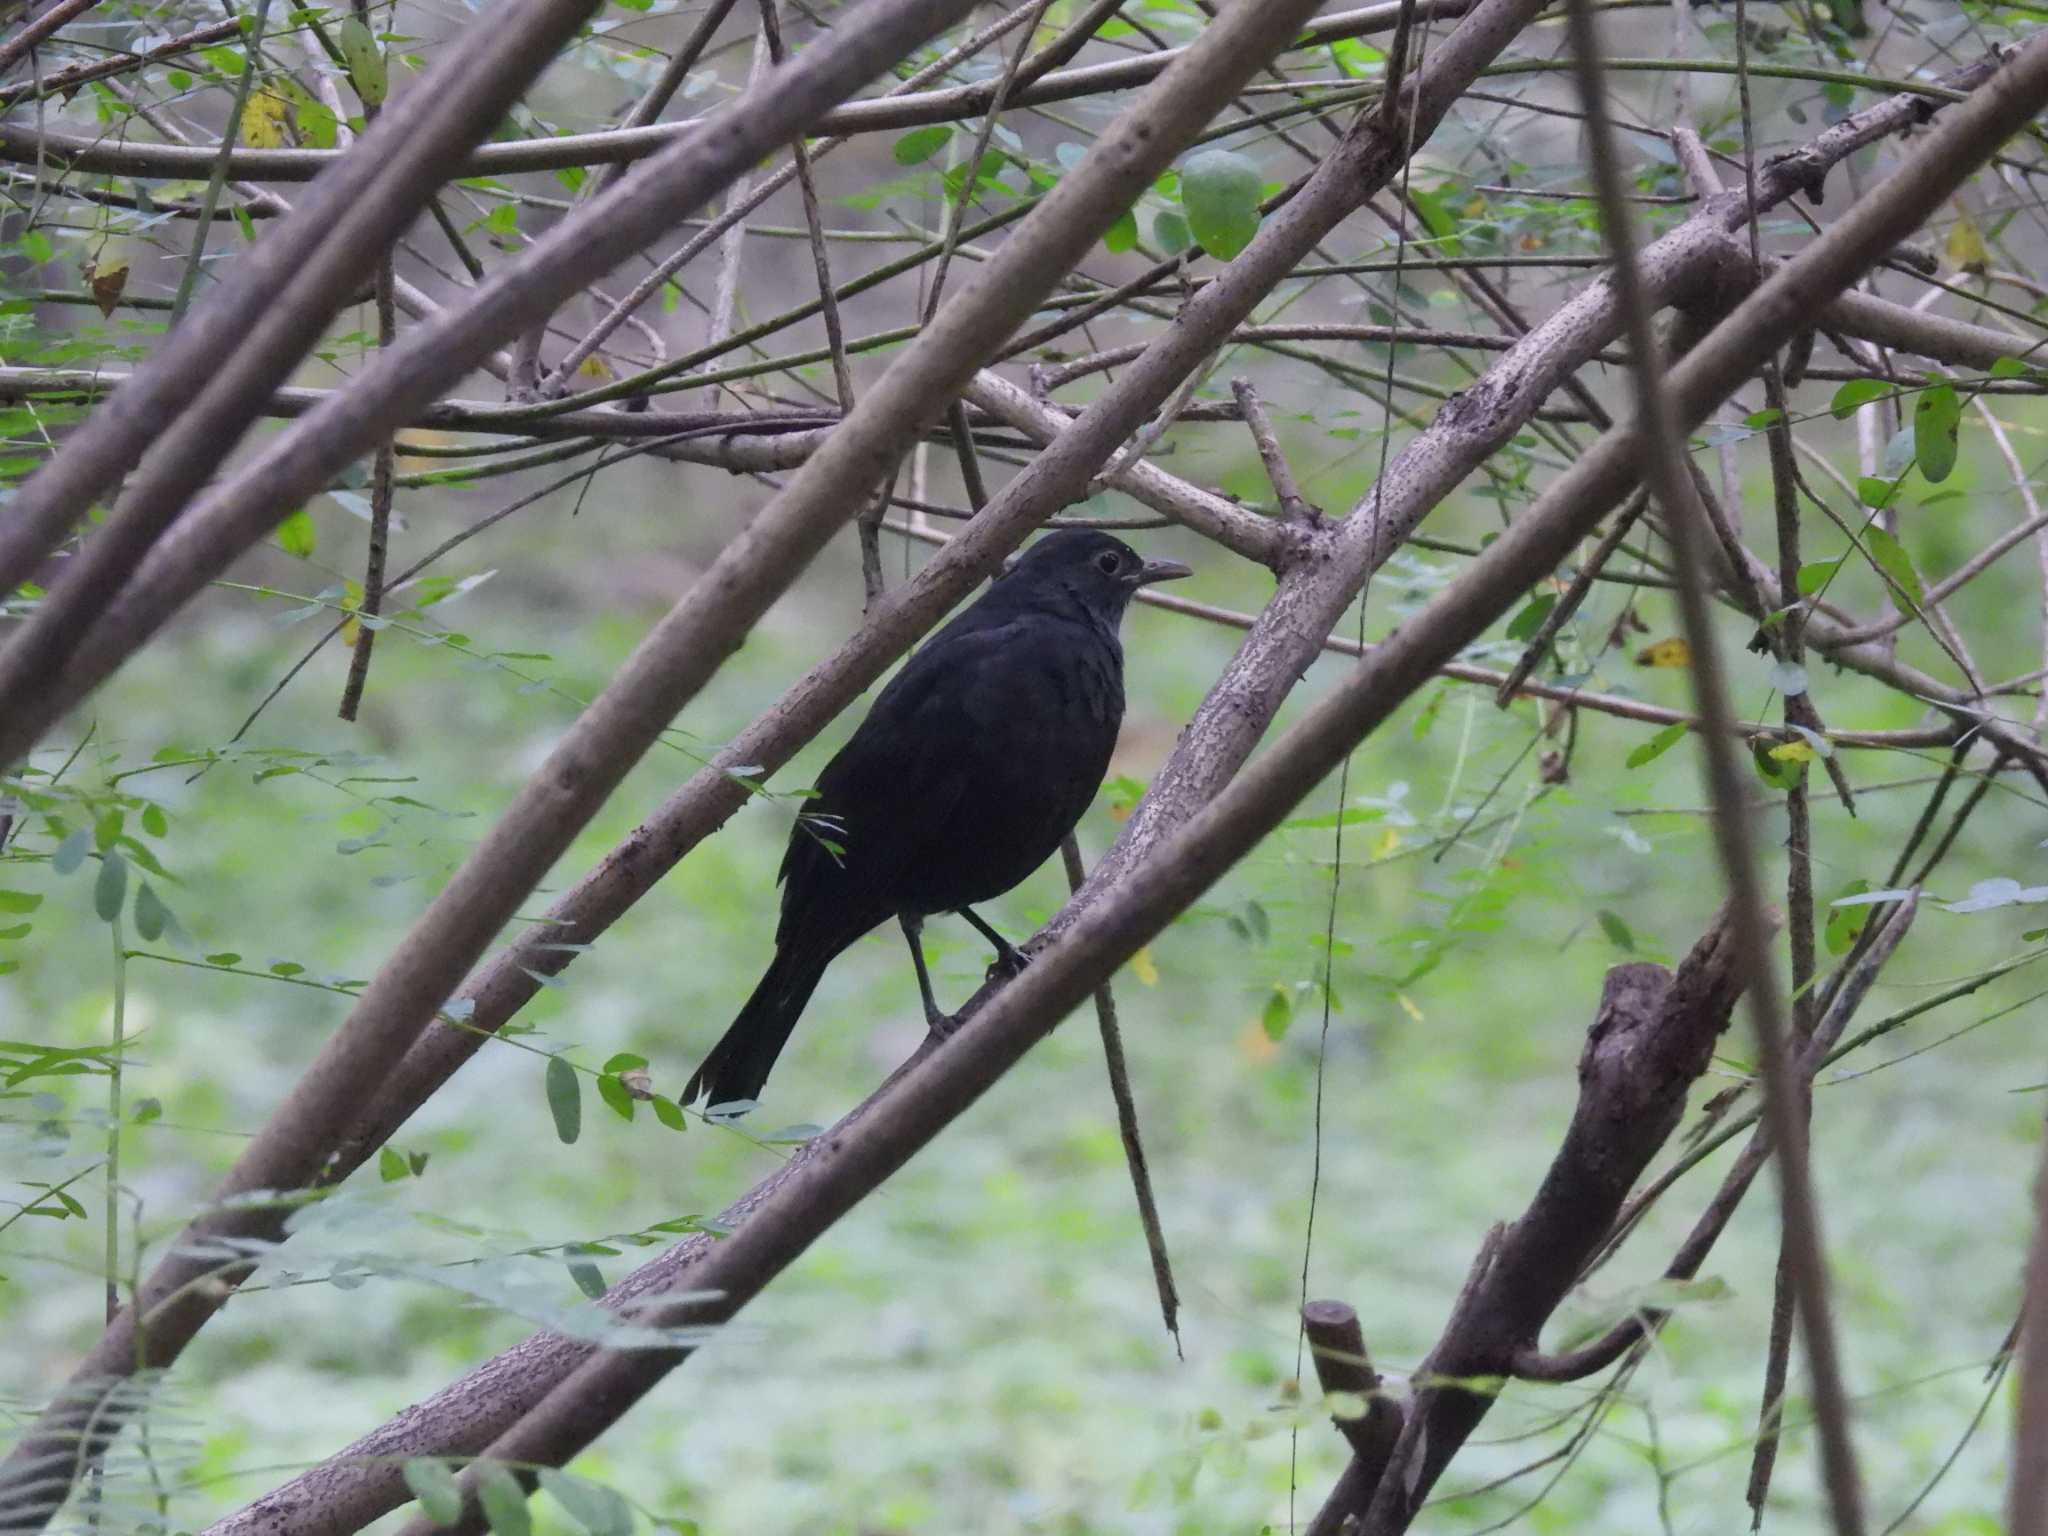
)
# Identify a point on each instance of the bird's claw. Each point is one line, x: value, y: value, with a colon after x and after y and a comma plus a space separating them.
x: 1008, y: 965
x: 943, y: 1026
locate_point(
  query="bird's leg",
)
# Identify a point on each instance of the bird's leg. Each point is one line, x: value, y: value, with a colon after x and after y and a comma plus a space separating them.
x: 1010, y: 960
x: 938, y: 1023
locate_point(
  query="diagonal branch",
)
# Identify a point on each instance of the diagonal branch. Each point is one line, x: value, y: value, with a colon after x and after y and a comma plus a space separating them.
x: 294, y: 1147
x: 291, y: 283
x: 1653, y: 1036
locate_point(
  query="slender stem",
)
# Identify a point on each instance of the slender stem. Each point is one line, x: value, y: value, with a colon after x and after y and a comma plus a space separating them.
x: 246, y: 82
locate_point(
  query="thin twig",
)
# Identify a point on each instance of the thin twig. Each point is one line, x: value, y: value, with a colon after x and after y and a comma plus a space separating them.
x: 1293, y: 506
x: 1665, y: 469
x: 1127, y: 1125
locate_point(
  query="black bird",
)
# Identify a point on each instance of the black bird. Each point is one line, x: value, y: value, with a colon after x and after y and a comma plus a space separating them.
x: 973, y: 764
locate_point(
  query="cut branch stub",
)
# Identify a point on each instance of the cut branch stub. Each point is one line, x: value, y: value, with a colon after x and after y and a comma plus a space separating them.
x: 1653, y: 1036
x: 1337, y: 1345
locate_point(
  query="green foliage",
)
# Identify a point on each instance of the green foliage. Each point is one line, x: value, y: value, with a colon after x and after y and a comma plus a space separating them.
x: 1220, y: 192
x: 1937, y: 424
x: 565, y: 1099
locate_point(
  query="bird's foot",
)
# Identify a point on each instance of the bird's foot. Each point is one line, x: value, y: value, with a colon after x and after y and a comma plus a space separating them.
x: 943, y: 1026
x: 1010, y: 963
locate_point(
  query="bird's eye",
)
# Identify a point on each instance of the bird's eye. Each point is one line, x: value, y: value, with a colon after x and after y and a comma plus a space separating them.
x: 1108, y: 560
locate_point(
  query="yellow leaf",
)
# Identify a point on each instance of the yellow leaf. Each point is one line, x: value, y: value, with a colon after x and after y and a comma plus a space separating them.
x: 595, y: 367
x: 1388, y: 840
x: 348, y: 633
x: 1665, y: 653
x: 1143, y: 968
x: 1965, y: 246
x: 1408, y: 1006
x: 267, y: 121
x: 1793, y: 752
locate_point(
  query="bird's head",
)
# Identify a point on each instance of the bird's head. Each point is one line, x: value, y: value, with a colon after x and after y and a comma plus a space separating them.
x: 1101, y: 572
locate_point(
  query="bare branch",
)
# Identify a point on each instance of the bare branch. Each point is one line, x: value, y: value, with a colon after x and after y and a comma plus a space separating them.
x: 250, y: 330
x: 22, y: 144
x: 1665, y: 469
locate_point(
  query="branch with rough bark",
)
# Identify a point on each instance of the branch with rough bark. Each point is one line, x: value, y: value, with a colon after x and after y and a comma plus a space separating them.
x: 549, y: 1397
x: 295, y: 1148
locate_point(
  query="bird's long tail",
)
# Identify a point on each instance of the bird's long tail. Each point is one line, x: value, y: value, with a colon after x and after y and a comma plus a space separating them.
x: 739, y: 1064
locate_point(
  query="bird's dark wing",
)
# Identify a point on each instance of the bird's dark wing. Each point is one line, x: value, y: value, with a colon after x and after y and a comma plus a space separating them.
x: 903, y: 789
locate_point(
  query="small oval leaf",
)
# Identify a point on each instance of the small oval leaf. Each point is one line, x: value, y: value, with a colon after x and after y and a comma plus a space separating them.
x: 1219, y: 188
x: 111, y: 887
x: 565, y: 1099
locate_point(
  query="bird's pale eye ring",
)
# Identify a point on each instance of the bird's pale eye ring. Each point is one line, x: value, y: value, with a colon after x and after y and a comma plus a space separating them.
x: 1109, y: 560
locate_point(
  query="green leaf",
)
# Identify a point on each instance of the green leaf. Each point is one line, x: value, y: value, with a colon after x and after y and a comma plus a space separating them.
x: 1123, y: 234
x: 1170, y: 232
x: 615, y: 1096
x: 1777, y: 773
x: 670, y: 1113
x: 1846, y: 923
x: 2008, y: 368
x: 920, y: 144
x: 502, y: 1499
x: 589, y: 1279
x: 1816, y: 574
x: 1438, y: 219
x: 71, y: 852
x: 111, y: 886
x: 434, y: 1486
x: 390, y: 1165
x: 17, y: 931
x: 365, y: 61
x: 1525, y: 624
x: 1857, y: 392
x: 623, y: 1061
x: 599, y: 1510
x: 154, y: 821
x: 296, y: 535
x: 1657, y: 745
x: 1219, y: 188
x: 1617, y: 932
x: 1278, y: 1014
x: 1937, y: 426
x: 1890, y: 557
x: 565, y: 1099
x: 19, y: 901
x: 151, y: 915
x: 1875, y: 491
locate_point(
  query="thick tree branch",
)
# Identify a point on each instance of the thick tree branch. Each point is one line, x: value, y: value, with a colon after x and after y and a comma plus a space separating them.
x: 243, y: 339
x: 1653, y: 1036
x: 1961, y: 140
x: 294, y: 1147
x: 430, y: 358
